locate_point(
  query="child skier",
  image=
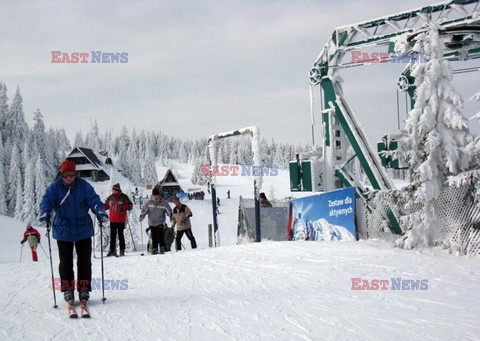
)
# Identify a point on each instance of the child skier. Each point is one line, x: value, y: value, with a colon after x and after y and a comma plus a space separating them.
x: 33, y: 237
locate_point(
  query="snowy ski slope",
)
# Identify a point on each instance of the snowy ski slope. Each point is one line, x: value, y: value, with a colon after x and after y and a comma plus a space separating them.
x: 267, y: 291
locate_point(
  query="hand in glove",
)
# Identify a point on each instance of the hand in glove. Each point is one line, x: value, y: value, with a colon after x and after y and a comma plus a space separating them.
x: 140, y: 219
x: 102, y: 216
x: 22, y: 241
x: 44, y: 217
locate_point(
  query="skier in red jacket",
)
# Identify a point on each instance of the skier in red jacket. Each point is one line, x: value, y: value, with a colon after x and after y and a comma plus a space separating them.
x: 118, y: 203
x: 33, y: 237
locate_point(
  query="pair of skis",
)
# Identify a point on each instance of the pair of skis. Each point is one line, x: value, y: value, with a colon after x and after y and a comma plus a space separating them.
x: 72, y: 313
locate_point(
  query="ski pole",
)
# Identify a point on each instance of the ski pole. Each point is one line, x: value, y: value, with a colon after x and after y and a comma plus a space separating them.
x: 101, y: 258
x: 131, y: 234
x: 141, y: 236
x: 51, y: 265
x: 43, y: 250
x: 94, y: 245
x: 21, y: 252
x: 141, y: 230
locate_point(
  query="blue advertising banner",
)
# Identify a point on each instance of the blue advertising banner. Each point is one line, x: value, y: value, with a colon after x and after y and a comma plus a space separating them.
x: 325, y: 216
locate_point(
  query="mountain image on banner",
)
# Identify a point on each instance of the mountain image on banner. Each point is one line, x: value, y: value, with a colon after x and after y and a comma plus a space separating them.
x: 321, y: 229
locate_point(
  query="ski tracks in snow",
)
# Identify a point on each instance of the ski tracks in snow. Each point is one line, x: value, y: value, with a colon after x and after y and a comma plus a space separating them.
x: 267, y: 291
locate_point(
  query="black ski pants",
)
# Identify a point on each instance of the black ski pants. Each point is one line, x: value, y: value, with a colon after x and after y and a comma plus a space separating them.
x: 114, y: 228
x: 84, y: 264
x: 157, y: 237
x: 189, y: 234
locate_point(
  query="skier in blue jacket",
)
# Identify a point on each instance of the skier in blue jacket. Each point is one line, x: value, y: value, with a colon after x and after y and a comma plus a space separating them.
x: 71, y: 198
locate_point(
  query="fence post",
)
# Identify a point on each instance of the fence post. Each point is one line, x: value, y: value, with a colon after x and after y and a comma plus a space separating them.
x: 214, y: 208
x: 210, y: 240
x: 258, y: 230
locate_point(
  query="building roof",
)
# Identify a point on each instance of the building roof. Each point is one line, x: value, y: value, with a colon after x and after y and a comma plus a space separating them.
x: 90, y: 155
x: 169, y: 180
x: 94, y: 161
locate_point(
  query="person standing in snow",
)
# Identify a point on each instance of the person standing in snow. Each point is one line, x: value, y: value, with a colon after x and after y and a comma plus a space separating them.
x: 118, y: 203
x: 156, y: 208
x: 71, y: 198
x: 181, y: 219
x: 264, y: 201
x: 33, y: 237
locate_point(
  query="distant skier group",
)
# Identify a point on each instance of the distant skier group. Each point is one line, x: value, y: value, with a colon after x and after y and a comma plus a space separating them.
x: 157, y: 209
x: 71, y: 197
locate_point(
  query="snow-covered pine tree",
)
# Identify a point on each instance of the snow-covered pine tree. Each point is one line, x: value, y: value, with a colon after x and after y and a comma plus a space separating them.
x: 436, y: 134
x: 15, y: 125
x: 233, y: 158
x: 92, y: 139
x: 122, y: 156
x: 52, y: 160
x: 271, y: 193
x: 63, y: 142
x: 182, y: 153
x: 38, y: 132
x: 107, y: 145
x: 28, y: 213
x: 242, y: 152
x: 149, y: 170
x: 79, y: 142
x: 220, y: 153
x: 3, y: 111
x: 279, y: 157
x: 134, y: 164
x: 163, y: 150
x: 3, y: 184
x: 25, y: 155
x: 18, y: 209
x: 40, y: 182
x: 197, y: 178
x: 265, y: 152
x: 14, y: 178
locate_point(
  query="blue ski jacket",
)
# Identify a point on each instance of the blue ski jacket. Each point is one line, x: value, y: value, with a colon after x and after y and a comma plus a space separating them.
x: 71, y: 204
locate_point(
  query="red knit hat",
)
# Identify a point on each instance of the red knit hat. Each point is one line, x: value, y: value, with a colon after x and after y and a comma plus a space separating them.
x: 67, y: 166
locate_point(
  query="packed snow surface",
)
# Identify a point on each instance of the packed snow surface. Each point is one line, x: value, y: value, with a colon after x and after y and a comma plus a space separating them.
x: 267, y: 291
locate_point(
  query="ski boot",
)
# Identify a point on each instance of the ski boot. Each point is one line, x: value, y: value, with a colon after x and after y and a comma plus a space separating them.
x: 84, y: 295
x: 69, y: 297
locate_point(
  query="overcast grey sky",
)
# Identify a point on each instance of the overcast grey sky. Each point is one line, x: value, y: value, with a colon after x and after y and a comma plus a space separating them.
x: 194, y: 67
